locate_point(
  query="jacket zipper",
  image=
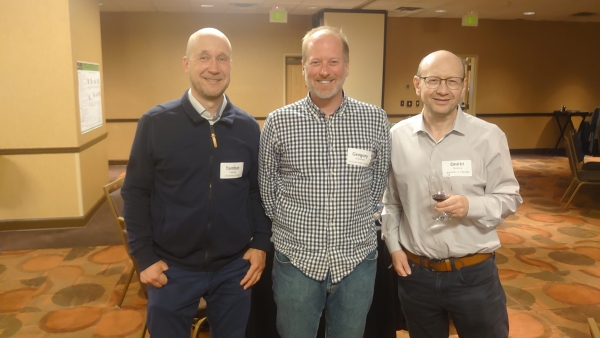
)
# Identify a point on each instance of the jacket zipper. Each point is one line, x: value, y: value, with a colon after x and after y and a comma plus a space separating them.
x: 214, y: 143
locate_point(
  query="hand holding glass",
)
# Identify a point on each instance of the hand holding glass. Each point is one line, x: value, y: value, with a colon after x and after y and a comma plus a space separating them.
x: 440, y: 189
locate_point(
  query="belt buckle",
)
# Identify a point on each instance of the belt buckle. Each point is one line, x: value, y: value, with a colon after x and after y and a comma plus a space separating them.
x: 433, y: 261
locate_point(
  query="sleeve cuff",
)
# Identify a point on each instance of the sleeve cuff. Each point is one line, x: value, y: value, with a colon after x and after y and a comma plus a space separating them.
x: 476, y: 208
x: 392, y: 245
x: 261, y: 242
x: 145, y: 258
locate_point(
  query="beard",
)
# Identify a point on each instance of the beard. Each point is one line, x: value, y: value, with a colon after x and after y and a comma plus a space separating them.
x: 326, y: 95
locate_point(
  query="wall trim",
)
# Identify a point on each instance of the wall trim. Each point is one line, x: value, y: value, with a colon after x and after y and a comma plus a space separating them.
x: 258, y: 118
x: 52, y: 223
x: 118, y: 120
x: 118, y: 162
x: 62, y: 150
x: 516, y: 115
x: 484, y: 115
x: 539, y: 151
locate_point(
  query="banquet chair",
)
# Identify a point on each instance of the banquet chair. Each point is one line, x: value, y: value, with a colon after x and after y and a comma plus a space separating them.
x: 581, y: 176
x: 112, y: 193
x: 594, y: 331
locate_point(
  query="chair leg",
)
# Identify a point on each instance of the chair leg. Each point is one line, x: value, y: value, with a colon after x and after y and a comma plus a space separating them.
x: 129, y: 278
x: 573, y: 195
x: 197, y: 326
x: 569, y: 189
x: 144, y: 330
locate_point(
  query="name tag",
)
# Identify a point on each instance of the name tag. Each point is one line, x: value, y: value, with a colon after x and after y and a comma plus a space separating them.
x: 457, y: 168
x: 232, y: 170
x: 358, y: 157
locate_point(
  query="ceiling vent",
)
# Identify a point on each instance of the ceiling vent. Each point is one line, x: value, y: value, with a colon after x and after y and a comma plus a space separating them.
x: 583, y: 14
x: 242, y: 5
x: 408, y: 9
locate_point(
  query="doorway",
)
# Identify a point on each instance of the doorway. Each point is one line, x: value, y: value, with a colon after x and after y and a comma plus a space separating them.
x: 295, y: 86
x: 469, y: 100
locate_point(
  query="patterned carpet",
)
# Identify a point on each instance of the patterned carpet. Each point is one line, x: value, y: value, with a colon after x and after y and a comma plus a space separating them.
x: 549, y: 265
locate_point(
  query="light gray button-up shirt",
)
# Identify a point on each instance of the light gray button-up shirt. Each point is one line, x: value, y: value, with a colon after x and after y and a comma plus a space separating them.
x: 489, y: 185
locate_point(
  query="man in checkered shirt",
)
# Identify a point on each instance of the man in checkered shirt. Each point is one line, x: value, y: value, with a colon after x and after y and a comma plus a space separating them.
x: 323, y: 165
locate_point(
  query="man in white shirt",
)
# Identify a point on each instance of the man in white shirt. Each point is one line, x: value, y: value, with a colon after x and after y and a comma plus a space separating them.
x: 446, y: 268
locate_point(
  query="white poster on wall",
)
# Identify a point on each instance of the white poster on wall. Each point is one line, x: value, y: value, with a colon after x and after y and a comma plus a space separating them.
x: 90, y: 99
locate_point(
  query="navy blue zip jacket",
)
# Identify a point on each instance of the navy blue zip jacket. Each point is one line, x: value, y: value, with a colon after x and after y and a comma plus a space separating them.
x: 184, y: 201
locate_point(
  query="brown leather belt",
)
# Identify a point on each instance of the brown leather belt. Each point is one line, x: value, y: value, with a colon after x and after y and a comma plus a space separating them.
x: 445, y: 265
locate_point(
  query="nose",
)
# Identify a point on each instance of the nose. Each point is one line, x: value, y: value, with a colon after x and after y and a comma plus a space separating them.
x: 443, y: 87
x: 324, y: 70
x: 212, y: 66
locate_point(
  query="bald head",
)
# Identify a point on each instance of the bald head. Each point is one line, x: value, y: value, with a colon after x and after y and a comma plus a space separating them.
x: 440, y: 57
x: 197, y: 38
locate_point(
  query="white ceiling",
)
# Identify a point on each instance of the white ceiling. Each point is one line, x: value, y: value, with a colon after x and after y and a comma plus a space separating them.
x: 551, y: 10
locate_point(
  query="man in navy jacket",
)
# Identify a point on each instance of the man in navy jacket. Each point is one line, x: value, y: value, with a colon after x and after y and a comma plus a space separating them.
x: 194, y: 215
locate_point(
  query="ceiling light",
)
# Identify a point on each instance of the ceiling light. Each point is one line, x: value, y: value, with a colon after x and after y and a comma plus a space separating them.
x: 529, y: 13
x: 312, y: 7
x: 206, y: 6
x: 440, y: 11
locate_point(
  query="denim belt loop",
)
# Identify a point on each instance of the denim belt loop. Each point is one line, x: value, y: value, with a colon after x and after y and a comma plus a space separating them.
x: 452, y: 263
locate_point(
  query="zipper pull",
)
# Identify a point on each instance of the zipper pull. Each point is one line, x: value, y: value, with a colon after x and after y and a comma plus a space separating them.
x: 213, y: 136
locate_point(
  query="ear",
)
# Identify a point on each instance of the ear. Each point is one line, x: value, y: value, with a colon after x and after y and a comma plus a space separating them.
x: 347, y: 68
x: 185, y: 65
x: 416, y: 82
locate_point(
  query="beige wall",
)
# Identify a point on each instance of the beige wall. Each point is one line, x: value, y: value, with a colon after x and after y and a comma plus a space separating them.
x: 48, y: 169
x: 366, y: 37
x: 142, y: 54
x: 523, y: 66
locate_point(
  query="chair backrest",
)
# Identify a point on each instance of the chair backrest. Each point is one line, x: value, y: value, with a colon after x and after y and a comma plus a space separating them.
x: 112, y: 192
x: 578, y: 147
x: 570, y: 149
x: 594, y: 331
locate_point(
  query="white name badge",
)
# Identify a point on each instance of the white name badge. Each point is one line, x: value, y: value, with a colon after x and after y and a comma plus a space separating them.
x: 232, y: 170
x: 457, y: 168
x: 358, y: 157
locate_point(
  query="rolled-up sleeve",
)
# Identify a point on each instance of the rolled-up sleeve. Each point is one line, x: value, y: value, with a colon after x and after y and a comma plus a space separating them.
x: 501, y: 198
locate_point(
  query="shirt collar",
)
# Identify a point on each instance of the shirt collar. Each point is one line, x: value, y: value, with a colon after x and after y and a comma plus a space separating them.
x: 460, y: 123
x: 316, y: 111
x: 203, y: 111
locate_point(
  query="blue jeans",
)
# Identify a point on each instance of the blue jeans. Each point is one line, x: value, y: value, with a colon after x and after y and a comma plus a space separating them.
x: 472, y: 296
x: 171, y: 309
x: 300, y: 300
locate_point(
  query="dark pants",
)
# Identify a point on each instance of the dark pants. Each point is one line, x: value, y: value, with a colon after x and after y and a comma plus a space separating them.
x: 472, y: 296
x: 171, y: 309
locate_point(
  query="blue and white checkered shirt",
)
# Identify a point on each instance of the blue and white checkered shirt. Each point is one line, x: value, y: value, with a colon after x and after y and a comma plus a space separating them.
x: 319, y: 185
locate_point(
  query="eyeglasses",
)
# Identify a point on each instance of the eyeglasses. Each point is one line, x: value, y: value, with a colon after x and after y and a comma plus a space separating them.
x: 432, y: 82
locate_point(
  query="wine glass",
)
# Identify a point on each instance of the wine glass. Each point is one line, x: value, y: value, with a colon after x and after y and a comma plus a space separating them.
x: 440, y: 189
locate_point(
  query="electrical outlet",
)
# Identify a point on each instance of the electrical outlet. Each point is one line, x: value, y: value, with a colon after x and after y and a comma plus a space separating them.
x: 409, y: 103
x: 401, y: 103
x: 417, y: 103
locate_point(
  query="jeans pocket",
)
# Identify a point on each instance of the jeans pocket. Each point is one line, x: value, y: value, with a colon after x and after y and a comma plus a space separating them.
x: 281, y: 258
x: 478, y: 274
x: 372, y: 256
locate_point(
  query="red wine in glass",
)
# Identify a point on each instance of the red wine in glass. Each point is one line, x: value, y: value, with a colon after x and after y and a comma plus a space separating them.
x: 440, y: 188
x: 440, y: 197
